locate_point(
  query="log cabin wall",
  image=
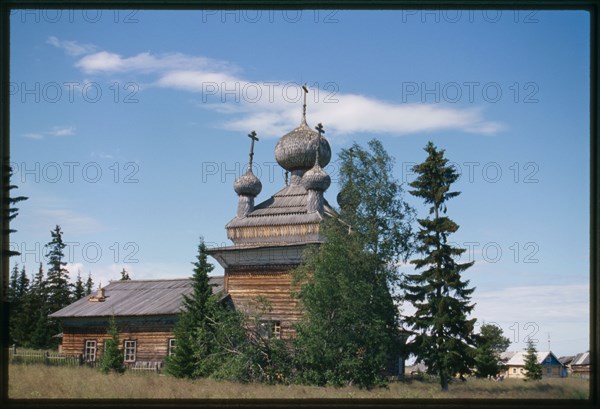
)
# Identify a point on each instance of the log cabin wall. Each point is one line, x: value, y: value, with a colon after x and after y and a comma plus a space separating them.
x: 151, y: 336
x: 246, y: 288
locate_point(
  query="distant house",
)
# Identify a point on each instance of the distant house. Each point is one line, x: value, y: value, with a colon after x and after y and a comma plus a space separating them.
x: 580, y: 365
x: 514, y: 363
x: 145, y: 312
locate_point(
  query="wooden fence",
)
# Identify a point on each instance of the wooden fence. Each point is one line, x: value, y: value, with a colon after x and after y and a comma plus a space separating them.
x: 55, y: 359
x: 43, y: 357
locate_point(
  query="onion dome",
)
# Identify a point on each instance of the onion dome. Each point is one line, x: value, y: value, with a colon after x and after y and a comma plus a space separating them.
x: 248, y: 184
x: 297, y: 149
x: 316, y: 179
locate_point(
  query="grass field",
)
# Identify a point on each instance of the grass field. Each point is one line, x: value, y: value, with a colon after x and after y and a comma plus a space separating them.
x: 39, y: 381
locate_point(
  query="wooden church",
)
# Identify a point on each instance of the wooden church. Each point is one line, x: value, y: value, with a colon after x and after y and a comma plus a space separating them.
x: 269, y: 238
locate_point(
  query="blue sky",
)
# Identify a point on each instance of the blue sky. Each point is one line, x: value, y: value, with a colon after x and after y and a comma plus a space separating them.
x: 129, y: 128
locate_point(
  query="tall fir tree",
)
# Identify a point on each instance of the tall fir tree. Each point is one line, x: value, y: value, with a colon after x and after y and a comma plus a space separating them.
x: 79, y: 288
x: 533, y: 368
x: 59, y: 289
x: 89, y: 284
x: 444, y: 334
x: 12, y: 285
x: 40, y: 336
x: 19, y: 294
x: 12, y: 201
x: 193, y: 337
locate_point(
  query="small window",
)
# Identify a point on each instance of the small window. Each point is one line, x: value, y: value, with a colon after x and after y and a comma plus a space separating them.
x: 171, y: 350
x: 90, y: 351
x: 522, y: 370
x: 269, y: 329
x: 276, y: 329
x: 549, y: 371
x: 514, y: 370
x: 130, y: 349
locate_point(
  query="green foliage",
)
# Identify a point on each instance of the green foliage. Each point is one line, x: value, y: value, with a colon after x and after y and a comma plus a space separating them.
x: 348, y: 330
x: 112, y: 358
x: 58, y: 288
x: 490, y: 344
x: 371, y: 202
x: 441, y: 298
x: 532, y: 366
x: 12, y: 211
x: 40, y: 335
x: 193, y: 334
x: 89, y: 284
x: 19, y: 296
x: 78, y: 289
x: 59, y: 293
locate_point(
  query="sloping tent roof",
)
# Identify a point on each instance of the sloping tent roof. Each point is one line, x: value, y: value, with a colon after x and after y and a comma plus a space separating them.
x: 286, y: 207
x: 137, y: 297
x: 518, y: 358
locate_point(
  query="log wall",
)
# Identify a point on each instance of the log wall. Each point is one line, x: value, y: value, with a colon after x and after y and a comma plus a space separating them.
x: 246, y: 287
x: 151, y: 336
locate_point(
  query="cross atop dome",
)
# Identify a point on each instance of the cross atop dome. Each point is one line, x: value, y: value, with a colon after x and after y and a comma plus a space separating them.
x: 252, y: 135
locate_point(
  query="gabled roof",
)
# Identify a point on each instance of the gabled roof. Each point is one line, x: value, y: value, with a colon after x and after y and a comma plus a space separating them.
x: 566, y: 360
x: 581, y: 359
x: 136, y: 297
x: 518, y: 358
x: 286, y: 207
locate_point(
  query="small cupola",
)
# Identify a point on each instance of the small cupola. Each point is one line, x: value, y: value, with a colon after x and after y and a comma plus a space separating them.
x: 247, y: 186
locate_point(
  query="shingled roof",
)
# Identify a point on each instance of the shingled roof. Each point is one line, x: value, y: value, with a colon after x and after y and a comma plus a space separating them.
x: 136, y: 297
x: 286, y: 207
x: 283, y: 218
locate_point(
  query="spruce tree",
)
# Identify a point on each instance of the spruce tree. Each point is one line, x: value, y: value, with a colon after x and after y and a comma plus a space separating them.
x: 444, y: 334
x: 12, y: 211
x: 19, y: 311
x: 40, y: 336
x: 533, y: 368
x: 79, y: 289
x: 193, y: 334
x: 12, y: 285
x: 112, y: 358
x: 89, y: 284
x: 59, y: 291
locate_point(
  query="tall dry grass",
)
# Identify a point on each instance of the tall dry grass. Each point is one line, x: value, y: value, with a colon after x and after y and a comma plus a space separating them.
x: 38, y: 381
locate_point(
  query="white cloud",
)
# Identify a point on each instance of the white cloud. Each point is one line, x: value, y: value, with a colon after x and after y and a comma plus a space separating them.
x: 273, y: 107
x: 106, y: 62
x: 71, y: 47
x: 54, y: 131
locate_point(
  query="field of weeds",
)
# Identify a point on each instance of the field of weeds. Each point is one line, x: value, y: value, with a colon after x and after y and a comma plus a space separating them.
x: 39, y: 381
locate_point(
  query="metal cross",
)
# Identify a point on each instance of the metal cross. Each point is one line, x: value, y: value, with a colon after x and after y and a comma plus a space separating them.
x: 304, y: 106
x: 319, y: 128
x: 252, y: 135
